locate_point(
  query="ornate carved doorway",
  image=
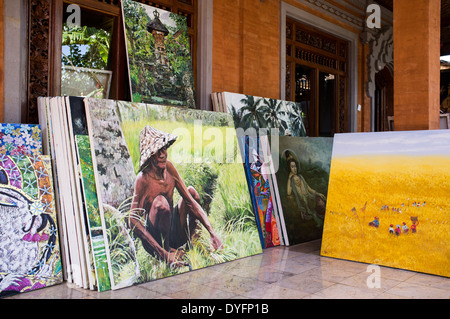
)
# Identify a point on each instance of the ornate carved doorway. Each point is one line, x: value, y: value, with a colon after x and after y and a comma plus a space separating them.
x: 384, y: 100
x: 317, y: 77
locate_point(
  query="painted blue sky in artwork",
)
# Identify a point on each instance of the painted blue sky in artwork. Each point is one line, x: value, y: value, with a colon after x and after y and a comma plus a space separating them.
x: 434, y: 142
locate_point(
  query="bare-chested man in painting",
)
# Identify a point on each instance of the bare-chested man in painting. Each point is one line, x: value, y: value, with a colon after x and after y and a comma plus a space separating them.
x: 166, y: 227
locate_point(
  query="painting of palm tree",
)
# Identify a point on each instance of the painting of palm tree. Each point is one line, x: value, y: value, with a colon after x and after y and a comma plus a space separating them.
x: 264, y: 113
x: 273, y: 113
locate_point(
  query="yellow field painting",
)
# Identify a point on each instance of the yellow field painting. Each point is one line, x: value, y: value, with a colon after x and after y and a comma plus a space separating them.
x: 389, y: 208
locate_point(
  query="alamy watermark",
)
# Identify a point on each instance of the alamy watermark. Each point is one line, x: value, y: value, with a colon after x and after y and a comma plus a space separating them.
x: 374, y: 279
x: 218, y: 145
x: 74, y: 19
x: 373, y: 20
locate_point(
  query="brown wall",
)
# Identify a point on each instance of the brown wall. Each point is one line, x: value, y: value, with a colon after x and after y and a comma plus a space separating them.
x: 246, y: 47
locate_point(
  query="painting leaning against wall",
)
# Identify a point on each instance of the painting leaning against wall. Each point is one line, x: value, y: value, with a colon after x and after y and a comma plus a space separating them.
x: 159, y: 56
x: 260, y: 190
x: 388, y: 200
x: 302, y: 178
x: 256, y: 112
x: 29, y: 240
x: 191, y: 160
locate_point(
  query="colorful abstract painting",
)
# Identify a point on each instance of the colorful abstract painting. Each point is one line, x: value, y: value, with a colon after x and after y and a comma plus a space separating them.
x: 264, y: 113
x: 182, y: 162
x: 388, y: 200
x: 260, y: 191
x: 302, y: 178
x: 29, y: 242
x: 22, y: 139
x: 159, y: 56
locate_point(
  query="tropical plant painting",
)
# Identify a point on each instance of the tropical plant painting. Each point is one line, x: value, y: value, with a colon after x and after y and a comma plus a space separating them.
x: 302, y: 178
x: 29, y: 242
x: 159, y: 57
x: 202, y: 175
x: 388, y: 200
x: 264, y: 113
x: 260, y: 191
x: 20, y: 139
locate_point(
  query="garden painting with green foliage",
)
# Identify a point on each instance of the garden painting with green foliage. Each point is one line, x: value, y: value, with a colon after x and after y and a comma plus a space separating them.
x: 159, y: 56
x: 207, y: 158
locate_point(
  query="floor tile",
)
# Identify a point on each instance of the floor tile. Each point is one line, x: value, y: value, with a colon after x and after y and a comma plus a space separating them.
x: 396, y: 274
x: 274, y: 291
x: 340, y: 291
x: 135, y: 292
x: 306, y: 284
x: 430, y: 280
x: 61, y: 291
x: 364, y: 280
x: 236, y: 284
x: 167, y: 286
x: 328, y: 273
x: 293, y: 266
x: 202, y: 292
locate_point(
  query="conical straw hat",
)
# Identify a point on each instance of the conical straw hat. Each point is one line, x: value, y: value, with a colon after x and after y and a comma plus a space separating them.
x: 152, y: 140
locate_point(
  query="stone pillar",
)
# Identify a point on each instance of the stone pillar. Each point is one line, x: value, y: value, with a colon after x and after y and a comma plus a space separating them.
x: 416, y: 64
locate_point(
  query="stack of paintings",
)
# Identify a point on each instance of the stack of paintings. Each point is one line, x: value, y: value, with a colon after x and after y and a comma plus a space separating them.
x: 274, y: 130
x: 67, y: 140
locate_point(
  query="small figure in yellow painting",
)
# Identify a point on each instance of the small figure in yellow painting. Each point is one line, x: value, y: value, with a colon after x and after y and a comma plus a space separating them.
x: 375, y: 223
x: 415, y: 222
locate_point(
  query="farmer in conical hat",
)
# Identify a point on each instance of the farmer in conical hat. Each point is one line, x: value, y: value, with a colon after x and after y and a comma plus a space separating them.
x: 167, y: 227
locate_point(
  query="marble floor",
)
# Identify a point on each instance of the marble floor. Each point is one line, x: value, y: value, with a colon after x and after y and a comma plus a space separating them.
x: 297, y: 272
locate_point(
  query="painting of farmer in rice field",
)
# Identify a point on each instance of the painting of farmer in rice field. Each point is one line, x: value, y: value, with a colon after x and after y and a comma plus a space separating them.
x: 176, y: 197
